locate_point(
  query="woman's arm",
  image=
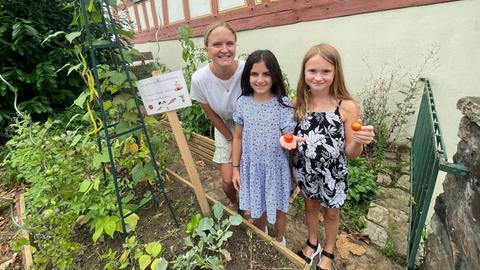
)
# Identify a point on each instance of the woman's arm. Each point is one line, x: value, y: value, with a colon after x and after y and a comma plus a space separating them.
x: 236, y: 155
x: 354, y: 140
x: 217, y: 121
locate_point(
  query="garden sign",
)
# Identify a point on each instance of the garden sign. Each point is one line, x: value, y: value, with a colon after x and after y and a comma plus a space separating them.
x: 167, y: 93
x: 163, y: 93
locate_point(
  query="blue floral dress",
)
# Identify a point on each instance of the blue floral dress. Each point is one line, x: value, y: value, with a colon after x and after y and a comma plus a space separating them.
x: 264, y: 169
x: 320, y: 163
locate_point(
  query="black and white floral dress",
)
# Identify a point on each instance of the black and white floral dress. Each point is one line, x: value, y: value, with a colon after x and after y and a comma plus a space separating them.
x: 320, y: 163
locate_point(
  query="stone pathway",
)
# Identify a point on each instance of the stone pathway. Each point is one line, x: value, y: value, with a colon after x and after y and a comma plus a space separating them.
x: 387, y: 221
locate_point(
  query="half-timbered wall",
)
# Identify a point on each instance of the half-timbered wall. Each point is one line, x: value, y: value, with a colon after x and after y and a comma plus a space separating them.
x: 159, y: 19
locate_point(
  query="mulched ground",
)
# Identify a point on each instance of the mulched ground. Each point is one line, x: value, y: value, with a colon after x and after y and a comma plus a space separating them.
x: 8, y: 258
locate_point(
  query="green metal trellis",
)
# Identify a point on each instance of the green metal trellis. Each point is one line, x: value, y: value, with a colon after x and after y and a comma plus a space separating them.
x: 428, y: 156
x: 114, y: 47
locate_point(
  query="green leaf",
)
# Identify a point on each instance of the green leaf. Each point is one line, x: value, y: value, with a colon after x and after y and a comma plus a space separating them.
x: 205, y: 224
x: 31, y: 30
x: 70, y: 37
x: 75, y: 140
x: 193, y: 224
x: 131, y: 221
x: 118, y: 78
x: 159, y: 264
x: 144, y: 261
x: 218, y: 210
x: 107, y: 105
x: 96, y: 184
x: 99, y: 158
x: 225, y: 237
x: 130, y: 117
x: 150, y: 121
x: 85, y: 186
x: 153, y: 248
x: 98, y: 229
x: 235, y: 220
x: 81, y: 99
x: 137, y: 173
x: 110, y: 226
x: 72, y: 68
x: 52, y: 36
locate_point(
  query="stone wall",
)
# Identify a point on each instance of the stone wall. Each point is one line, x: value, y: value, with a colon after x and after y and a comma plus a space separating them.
x: 454, y: 239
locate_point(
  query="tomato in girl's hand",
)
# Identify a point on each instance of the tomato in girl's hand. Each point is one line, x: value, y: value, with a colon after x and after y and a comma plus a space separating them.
x: 356, y: 126
x: 288, y: 138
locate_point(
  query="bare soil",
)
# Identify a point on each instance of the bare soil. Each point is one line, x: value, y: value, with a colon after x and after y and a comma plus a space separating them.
x: 156, y: 224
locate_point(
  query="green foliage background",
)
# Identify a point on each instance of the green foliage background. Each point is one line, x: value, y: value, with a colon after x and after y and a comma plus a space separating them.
x: 30, y: 66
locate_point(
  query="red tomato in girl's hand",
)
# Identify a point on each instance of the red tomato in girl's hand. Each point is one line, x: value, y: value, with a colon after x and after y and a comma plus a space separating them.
x: 288, y: 138
x: 356, y: 126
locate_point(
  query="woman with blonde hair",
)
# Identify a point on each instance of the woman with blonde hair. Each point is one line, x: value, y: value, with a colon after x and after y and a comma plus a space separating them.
x: 216, y: 87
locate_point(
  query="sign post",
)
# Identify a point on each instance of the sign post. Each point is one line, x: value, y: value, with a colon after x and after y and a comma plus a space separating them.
x: 167, y: 93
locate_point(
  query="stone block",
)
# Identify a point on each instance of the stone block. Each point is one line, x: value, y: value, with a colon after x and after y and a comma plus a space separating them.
x: 470, y: 133
x: 470, y: 107
x: 378, y: 215
x: 404, y: 182
x: 377, y: 233
x: 384, y: 179
x: 394, y: 198
x: 438, y: 253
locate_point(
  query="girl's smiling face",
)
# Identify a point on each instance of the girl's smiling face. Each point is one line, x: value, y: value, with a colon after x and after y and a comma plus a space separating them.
x: 221, y: 47
x: 319, y: 74
x: 261, y: 79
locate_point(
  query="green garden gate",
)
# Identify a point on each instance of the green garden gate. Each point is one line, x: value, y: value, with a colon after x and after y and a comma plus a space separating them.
x: 428, y: 156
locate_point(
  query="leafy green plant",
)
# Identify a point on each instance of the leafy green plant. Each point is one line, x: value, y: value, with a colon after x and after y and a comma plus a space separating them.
x: 361, y: 191
x: 193, y: 117
x: 31, y: 66
x: 362, y: 186
x: 206, y: 246
x: 147, y: 255
x: 191, y: 54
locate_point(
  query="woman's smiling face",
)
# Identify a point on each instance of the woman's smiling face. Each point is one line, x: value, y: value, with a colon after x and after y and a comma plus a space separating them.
x: 221, y: 47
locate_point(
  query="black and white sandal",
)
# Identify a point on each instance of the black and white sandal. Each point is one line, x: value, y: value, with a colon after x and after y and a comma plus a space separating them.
x: 328, y: 255
x: 309, y: 259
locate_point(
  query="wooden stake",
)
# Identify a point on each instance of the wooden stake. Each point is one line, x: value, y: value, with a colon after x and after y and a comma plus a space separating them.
x: 189, y: 164
x: 187, y: 158
x: 26, y: 251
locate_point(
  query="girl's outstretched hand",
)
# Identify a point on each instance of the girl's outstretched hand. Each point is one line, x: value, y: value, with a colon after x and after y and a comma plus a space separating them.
x: 289, y: 141
x: 364, y: 136
x: 236, y: 179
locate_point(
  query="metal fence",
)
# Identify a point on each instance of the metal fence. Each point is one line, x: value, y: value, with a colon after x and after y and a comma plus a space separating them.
x: 428, y: 156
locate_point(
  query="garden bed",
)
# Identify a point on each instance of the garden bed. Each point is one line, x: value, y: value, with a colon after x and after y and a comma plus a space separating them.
x: 156, y: 224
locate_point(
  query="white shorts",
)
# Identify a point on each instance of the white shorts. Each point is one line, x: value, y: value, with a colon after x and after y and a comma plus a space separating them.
x: 223, y: 150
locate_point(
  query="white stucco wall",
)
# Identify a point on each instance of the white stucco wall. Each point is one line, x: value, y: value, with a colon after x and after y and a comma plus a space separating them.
x: 400, y: 36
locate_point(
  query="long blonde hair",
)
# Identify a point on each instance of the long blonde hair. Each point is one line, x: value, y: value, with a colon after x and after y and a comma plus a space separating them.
x: 337, y: 89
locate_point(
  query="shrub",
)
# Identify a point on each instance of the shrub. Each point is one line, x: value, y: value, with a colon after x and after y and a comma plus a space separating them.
x: 361, y: 191
x: 32, y: 66
x: 389, y: 104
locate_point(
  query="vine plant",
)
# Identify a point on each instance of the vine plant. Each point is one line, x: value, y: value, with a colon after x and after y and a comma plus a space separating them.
x: 68, y: 189
x: 193, y: 118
